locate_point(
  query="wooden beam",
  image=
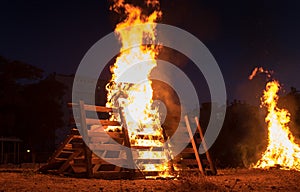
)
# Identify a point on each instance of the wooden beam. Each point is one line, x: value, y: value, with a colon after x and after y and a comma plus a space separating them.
x: 127, y: 142
x: 99, y: 161
x: 105, y: 135
x: 87, y: 151
x: 60, y: 148
x: 83, y: 124
x: 105, y: 147
x: 93, y: 108
x: 66, y: 164
x: 194, y: 145
x: 89, y: 121
x: 102, y: 122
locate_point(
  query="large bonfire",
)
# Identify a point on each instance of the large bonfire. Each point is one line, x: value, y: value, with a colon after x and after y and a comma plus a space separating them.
x: 130, y: 86
x: 282, y: 151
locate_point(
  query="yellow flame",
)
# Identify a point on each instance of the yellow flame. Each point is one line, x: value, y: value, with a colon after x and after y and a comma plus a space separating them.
x: 130, y: 86
x: 282, y: 150
x: 134, y: 66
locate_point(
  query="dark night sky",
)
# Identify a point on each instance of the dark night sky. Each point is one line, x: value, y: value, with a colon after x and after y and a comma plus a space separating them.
x: 55, y: 35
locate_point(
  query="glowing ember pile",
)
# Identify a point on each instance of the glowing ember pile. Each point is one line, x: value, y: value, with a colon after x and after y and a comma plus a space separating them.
x: 130, y: 87
x: 282, y: 151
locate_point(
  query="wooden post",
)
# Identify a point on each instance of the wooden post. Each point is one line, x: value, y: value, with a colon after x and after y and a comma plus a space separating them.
x: 84, y: 132
x: 209, y: 159
x: 194, y: 145
x: 127, y: 142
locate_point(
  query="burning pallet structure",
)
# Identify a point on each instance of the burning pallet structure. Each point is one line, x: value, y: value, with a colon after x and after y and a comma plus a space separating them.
x: 78, y: 158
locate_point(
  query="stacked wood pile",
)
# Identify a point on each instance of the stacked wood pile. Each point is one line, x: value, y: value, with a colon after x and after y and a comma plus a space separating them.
x: 85, y: 157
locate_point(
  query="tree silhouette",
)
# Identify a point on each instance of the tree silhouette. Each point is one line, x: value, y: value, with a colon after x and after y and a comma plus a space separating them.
x: 13, y: 74
x: 30, y: 105
x: 43, y: 112
x: 291, y: 102
x: 242, y: 137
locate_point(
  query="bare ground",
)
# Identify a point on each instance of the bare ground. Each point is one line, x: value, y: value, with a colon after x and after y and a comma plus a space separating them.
x: 226, y: 180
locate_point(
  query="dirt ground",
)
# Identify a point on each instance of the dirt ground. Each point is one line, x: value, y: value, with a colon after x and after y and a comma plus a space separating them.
x: 226, y: 180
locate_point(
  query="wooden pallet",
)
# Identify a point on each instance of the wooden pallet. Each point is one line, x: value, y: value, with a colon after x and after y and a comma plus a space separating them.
x: 78, y: 158
x: 75, y: 156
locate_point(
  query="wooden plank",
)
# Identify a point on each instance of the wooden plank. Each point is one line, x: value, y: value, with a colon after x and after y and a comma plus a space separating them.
x: 194, y: 145
x: 151, y: 155
x: 118, y: 169
x: 88, y: 157
x: 105, y: 147
x: 209, y: 159
x: 87, y: 151
x: 82, y: 121
x: 60, y: 148
x: 127, y: 142
x: 92, y: 108
x: 100, y: 139
x: 109, y: 161
x: 93, y: 121
x: 106, y: 140
x: 100, y: 128
x: 79, y: 168
x: 144, y: 135
x: 112, y: 135
x: 68, y: 146
x: 77, y: 137
x: 102, y: 122
x: 98, y: 108
x: 97, y: 128
x: 97, y: 134
x: 146, y: 148
x: 67, y: 151
x: 96, y: 167
x: 149, y: 161
x: 156, y: 165
x: 66, y: 164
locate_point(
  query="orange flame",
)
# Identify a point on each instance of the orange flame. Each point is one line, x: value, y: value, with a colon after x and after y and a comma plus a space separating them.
x: 282, y: 150
x: 130, y: 86
x: 260, y: 70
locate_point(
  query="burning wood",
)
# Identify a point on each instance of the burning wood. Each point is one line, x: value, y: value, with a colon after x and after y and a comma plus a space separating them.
x: 130, y: 78
x: 281, y: 151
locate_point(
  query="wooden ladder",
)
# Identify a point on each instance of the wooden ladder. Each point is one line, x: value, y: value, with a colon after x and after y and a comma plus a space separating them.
x: 189, y: 158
